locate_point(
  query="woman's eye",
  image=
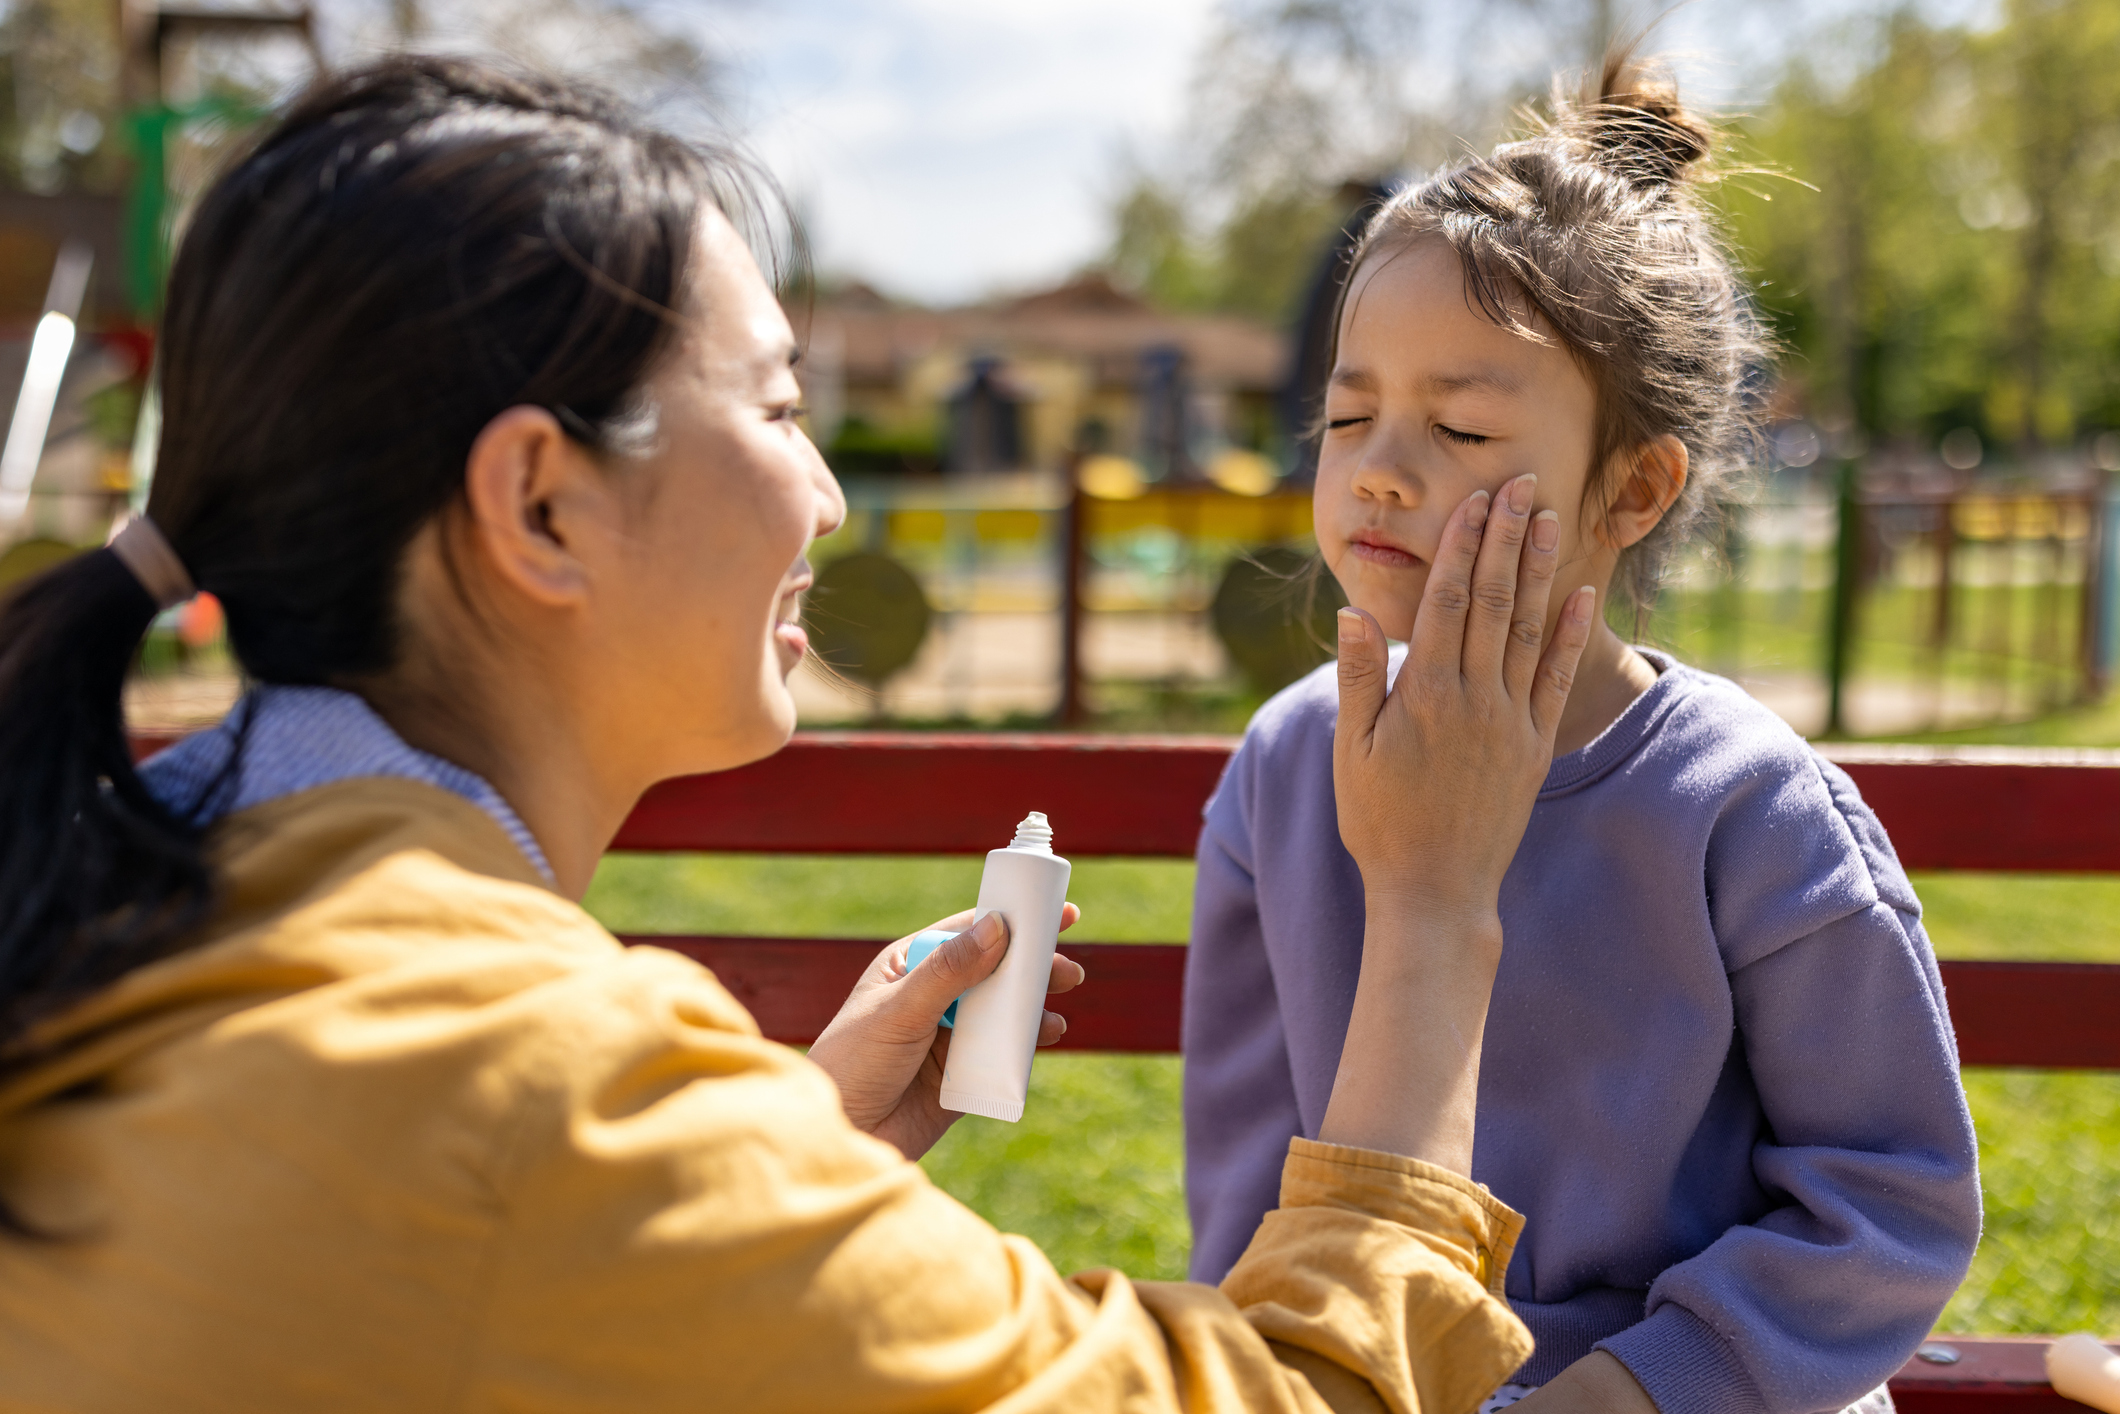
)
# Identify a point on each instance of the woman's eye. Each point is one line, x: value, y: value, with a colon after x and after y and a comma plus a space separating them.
x: 1462, y: 439
x: 788, y: 412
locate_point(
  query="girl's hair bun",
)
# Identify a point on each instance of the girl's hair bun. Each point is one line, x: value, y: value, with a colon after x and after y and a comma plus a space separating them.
x: 1634, y: 124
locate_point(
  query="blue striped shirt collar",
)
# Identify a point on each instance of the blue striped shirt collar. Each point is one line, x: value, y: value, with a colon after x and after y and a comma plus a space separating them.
x: 298, y: 738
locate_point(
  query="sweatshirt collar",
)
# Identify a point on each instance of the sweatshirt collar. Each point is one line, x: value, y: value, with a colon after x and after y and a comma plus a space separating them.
x: 1628, y: 731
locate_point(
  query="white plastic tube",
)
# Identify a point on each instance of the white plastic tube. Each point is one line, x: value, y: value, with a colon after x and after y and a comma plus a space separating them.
x: 989, y: 1069
x: 2082, y: 1368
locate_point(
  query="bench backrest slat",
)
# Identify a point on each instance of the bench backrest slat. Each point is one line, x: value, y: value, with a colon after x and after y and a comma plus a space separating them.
x: 913, y: 793
x: 2052, y: 1015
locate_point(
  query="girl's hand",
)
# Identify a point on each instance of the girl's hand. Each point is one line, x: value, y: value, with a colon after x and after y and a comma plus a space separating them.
x: 1435, y: 774
x: 886, y: 1047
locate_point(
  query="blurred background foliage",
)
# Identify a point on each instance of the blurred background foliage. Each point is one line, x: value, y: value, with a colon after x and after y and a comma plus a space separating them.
x: 1927, y: 208
x: 1954, y: 260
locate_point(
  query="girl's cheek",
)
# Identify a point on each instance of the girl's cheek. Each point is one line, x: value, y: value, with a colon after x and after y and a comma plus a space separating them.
x: 1393, y: 606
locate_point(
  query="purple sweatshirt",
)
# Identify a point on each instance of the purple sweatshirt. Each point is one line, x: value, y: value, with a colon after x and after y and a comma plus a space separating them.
x: 1719, y: 1079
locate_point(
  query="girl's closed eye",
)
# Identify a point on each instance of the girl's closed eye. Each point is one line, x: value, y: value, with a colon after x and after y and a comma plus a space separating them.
x: 1336, y: 423
x: 1462, y: 439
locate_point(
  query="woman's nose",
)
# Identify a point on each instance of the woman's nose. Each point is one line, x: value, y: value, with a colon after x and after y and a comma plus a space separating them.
x: 831, y: 498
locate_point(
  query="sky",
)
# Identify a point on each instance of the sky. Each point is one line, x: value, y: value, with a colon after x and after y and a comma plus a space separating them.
x: 946, y: 150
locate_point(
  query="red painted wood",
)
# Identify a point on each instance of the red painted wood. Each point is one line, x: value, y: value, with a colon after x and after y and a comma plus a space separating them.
x: 146, y: 744
x: 1994, y: 1375
x: 922, y: 793
x: 912, y: 793
x: 1981, y: 810
x: 794, y: 986
x: 915, y: 793
x: 2052, y: 1015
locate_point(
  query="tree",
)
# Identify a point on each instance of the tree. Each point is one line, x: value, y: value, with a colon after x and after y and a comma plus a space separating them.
x: 1291, y: 100
x: 1946, y: 261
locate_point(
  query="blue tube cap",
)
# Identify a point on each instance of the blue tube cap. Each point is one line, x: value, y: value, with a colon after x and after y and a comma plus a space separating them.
x: 917, y: 952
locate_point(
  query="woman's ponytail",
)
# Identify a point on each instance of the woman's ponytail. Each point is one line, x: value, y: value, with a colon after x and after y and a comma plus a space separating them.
x: 95, y: 876
x: 415, y: 247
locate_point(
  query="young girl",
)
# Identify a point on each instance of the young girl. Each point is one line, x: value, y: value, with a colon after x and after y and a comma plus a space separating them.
x: 1718, y: 1077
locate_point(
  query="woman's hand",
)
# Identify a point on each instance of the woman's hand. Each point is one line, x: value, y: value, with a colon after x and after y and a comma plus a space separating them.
x: 1434, y: 776
x: 886, y: 1047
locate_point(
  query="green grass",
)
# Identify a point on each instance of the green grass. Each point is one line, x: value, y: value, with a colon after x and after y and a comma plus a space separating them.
x: 1094, y: 1171
x: 2049, y: 1141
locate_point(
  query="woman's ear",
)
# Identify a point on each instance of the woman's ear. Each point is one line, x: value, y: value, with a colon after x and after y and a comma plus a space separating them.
x: 1649, y: 488
x: 532, y: 493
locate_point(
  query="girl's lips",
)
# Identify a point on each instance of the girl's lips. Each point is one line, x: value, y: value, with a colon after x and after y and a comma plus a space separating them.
x: 793, y: 638
x: 1381, y: 552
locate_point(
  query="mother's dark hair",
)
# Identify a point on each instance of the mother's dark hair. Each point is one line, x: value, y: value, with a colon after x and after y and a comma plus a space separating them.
x: 415, y: 247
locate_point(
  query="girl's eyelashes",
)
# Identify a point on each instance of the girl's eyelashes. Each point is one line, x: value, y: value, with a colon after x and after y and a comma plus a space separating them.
x: 1335, y: 424
x: 788, y: 412
x: 1462, y: 439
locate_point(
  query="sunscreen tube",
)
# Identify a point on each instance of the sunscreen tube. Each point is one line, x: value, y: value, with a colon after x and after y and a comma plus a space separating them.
x: 989, y: 1069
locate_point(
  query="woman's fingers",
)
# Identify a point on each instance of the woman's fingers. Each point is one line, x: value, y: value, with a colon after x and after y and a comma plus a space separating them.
x: 1556, y: 671
x: 1069, y: 916
x: 1365, y: 666
x: 1051, y: 1027
x: 1438, y: 645
x: 1068, y: 974
x: 1494, y: 574
x: 1534, y: 587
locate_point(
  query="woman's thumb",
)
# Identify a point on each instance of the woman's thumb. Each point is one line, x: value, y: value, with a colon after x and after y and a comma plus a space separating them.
x: 1365, y: 661
x: 959, y: 964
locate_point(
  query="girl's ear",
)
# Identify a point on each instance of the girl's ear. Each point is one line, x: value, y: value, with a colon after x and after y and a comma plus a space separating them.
x: 1650, y: 487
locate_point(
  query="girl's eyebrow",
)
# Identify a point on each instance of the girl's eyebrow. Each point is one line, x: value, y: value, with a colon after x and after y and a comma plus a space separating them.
x: 1489, y: 378
x: 1354, y: 379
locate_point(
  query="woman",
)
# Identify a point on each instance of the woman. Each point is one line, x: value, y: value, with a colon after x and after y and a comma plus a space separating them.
x: 321, y: 1092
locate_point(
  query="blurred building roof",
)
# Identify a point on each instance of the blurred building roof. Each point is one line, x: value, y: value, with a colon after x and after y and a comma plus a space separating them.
x: 1086, y: 318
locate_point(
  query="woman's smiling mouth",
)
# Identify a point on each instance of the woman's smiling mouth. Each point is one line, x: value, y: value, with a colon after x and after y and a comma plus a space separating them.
x: 788, y: 632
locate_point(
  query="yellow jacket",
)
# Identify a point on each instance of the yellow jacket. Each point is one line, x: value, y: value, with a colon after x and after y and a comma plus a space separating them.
x: 408, y: 1132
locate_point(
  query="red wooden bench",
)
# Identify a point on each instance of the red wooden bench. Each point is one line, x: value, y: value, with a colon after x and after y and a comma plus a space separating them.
x: 876, y: 793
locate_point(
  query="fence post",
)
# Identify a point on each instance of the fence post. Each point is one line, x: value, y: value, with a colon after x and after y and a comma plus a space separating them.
x: 1074, y: 551
x: 2103, y: 574
x: 1847, y: 570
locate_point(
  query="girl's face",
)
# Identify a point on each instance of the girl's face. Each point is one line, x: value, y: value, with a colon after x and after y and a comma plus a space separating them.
x: 1429, y: 401
x: 708, y: 590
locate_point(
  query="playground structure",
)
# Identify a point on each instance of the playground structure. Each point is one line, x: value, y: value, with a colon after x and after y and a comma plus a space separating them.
x: 1850, y: 611
x: 857, y: 793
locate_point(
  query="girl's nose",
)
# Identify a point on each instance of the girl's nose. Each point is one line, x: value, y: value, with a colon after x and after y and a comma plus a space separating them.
x: 1385, y: 473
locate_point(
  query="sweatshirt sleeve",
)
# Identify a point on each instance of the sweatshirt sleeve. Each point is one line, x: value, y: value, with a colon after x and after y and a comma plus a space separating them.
x: 690, y: 1223
x: 1240, y: 1097
x: 1869, y: 1155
